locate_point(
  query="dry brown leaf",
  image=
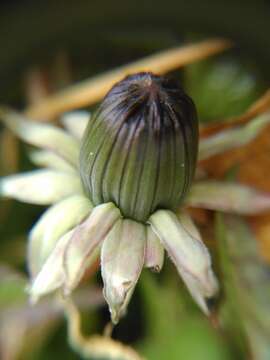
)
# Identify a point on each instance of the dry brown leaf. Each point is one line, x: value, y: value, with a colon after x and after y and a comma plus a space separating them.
x: 252, y: 162
x: 36, y: 85
x: 261, y: 227
x: 253, y: 168
x: 260, y: 106
x: 9, y: 157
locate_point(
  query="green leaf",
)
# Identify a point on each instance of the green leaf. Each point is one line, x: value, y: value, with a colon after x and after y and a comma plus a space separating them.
x: 246, y: 283
x: 220, y: 89
x: 12, y: 288
x: 175, y: 329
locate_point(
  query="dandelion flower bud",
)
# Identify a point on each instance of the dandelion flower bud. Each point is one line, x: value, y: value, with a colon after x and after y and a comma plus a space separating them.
x: 139, y: 150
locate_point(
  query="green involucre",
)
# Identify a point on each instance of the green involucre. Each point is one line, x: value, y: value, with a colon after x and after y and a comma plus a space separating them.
x: 140, y: 148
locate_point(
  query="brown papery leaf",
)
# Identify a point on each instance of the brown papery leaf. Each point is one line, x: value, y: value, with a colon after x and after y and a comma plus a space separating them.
x: 252, y: 163
x: 258, y: 107
x: 261, y: 227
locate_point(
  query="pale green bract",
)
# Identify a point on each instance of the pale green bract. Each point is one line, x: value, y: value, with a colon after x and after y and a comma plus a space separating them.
x: 72, y: 233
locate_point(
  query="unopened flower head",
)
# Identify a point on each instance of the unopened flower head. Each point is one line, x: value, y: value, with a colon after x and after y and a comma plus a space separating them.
x: 120, y: 199
x: 140, y: 149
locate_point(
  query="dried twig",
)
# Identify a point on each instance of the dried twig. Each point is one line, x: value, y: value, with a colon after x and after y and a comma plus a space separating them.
x: 92, y: 90
x: 96, y: 346
x: 260, y: 106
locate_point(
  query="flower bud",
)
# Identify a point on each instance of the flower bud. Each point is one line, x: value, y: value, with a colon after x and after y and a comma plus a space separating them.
x: 139, y: 150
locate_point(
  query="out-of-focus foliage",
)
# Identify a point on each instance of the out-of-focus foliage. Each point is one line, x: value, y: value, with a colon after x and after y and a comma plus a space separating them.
x: 179, y: 330
x: 221, y: 89
x: 22, y: 329
x: 246, y: 280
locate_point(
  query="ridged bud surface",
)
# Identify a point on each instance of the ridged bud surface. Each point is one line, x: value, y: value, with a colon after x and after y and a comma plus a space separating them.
x: 140, y: 148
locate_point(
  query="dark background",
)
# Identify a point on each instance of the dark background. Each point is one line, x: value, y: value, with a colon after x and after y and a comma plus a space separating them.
x: 102, y: 34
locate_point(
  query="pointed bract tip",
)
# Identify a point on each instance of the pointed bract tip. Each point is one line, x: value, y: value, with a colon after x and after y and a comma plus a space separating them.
x: 182, y: 240
x: 122, y: 259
